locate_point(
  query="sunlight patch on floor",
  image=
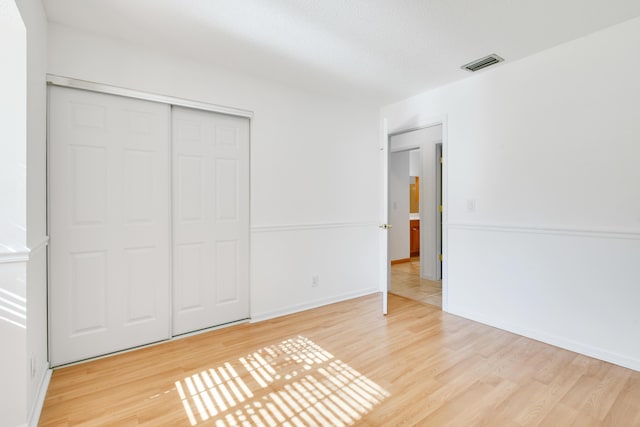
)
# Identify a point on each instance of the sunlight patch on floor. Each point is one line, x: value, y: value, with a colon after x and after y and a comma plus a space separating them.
x: 293, y: 383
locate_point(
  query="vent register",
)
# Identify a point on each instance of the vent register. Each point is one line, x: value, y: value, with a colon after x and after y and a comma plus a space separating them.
x: 481, y: 63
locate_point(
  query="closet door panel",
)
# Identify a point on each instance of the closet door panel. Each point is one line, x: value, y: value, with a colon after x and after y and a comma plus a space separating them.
x: 109, y: 223
x: 210, y: 219
x: 190, y: 274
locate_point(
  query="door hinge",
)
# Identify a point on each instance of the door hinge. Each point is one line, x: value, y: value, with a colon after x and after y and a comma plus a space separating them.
x: 441, y: 257
x: 386, y: 226
x: 441, y: 160
x: 440, y: 208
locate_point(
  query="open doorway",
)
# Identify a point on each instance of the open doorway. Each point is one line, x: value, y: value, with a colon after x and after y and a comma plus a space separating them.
x: 415, y: 213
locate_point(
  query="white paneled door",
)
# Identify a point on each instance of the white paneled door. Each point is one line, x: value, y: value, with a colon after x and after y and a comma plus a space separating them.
x: 109, y: 187
x: 210, y: 219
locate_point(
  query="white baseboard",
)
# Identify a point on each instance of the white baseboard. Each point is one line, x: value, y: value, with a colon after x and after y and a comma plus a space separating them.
x: 259, y: 317
x: 36, y: 408
x: 558, y: 341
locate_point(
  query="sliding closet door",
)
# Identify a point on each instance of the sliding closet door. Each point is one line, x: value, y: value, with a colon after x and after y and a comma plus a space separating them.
x: 210, y: 219
x: 109, y: 223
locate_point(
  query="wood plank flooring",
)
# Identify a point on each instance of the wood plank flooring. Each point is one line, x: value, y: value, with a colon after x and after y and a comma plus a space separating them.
x: 406, y: 282
x: 346, y: 364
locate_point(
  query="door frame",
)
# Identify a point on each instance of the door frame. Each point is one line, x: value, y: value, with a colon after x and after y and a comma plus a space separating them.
x: 54, y: 80
x: 385, y: 270
x: 439, y: 217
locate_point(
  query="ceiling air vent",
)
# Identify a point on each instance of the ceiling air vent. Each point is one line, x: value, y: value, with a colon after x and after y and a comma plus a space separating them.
x: 481, y: 63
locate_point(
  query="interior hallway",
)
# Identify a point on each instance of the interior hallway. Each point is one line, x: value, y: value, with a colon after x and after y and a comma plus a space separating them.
x: 406, y: 282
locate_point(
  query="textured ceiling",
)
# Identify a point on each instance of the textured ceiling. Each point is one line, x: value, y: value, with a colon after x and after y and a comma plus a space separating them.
x: 382, y: 50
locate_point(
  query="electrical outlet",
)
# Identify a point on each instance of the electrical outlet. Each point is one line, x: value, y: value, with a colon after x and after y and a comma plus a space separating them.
x: 315, y: 280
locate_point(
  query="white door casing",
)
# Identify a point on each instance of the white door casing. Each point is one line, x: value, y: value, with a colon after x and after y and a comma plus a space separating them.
x: 384, y: 262
x: 108, y: 223
x: 210, y: 219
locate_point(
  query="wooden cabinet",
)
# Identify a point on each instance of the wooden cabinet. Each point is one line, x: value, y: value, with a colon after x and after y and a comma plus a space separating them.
x: 414, y: 236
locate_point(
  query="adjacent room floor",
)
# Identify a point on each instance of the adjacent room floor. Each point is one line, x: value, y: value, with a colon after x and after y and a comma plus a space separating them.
x: 406, y: 282
x: 347, y: 364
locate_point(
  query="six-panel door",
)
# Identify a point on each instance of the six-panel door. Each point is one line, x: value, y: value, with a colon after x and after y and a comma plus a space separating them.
x: 211, y: 219
x: 109, y: 223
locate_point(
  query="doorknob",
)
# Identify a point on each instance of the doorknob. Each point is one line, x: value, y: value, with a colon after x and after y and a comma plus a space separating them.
x: 386, y: 226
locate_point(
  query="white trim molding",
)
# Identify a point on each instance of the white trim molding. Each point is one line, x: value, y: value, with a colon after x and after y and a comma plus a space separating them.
x: 42, y: 243
x: 38, y: 403
x: 259, y: 317
x: 22, y: 254
x: 310, y: 226
x: 556, y: 340
x: 18, y: 255
x: 557, y: 231
x: 55, y: 80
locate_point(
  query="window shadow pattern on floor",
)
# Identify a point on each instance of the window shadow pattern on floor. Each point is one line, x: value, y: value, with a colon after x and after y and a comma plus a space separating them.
x: 293, y: 383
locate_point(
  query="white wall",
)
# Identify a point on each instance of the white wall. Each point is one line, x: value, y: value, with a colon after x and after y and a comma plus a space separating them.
x: 13, y: 360
x: 547, y: 150
x: 36, y: 271
x: 13, y: 253
x: 414, y: 163
x: 22, y: 212
x: 12, y: 128
x: 399, y: 237
x: 305, y: 190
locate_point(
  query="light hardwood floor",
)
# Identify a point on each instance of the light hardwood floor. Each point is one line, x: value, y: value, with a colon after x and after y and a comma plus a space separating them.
x: 406, y: 282
x: 346, y: 364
